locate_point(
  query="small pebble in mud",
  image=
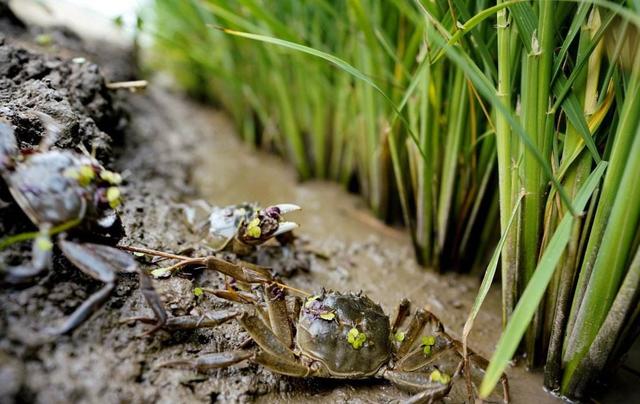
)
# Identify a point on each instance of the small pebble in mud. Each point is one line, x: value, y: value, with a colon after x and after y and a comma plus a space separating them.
x: 436, y: 303
x: 343, y: 273
x: 457, y: 304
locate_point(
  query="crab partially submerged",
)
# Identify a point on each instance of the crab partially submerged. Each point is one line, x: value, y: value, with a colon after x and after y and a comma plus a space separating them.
x: 341, y: 336
x: 240, y: 228
x: 68, y: 195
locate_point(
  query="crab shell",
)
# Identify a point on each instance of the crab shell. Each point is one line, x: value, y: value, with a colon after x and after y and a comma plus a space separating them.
x: 47, y: 194
x: 328, y: 340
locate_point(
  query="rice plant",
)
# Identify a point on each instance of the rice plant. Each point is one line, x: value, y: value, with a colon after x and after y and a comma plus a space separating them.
x: 577, y: 235
x: 465, y: 117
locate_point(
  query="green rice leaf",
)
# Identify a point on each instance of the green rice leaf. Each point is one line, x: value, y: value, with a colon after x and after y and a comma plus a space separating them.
x: 340, y: 63
x: 489, y: 274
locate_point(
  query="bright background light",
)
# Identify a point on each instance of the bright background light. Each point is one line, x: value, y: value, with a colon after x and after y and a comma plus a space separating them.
x: 89, y: 18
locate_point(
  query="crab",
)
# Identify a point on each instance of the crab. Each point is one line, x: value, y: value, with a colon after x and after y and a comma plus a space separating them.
x: 339, y: 336
x: 68, y: 195
x: 240, y: 228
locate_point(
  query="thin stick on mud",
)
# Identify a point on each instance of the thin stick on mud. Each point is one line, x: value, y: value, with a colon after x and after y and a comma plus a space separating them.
x: 156, y: 253
x: 130, y: 85
x: 184, y: 260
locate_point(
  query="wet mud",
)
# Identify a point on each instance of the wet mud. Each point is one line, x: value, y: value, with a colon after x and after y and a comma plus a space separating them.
x: 172, y: 151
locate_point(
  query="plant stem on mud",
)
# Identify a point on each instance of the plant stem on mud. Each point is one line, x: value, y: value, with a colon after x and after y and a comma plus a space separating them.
x: 558, y: 299
x: 509, y: 266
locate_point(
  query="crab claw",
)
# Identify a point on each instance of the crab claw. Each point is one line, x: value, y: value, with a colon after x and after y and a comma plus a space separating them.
x: 285, y: 227
x: 284, y: 208
x: 267, y: 223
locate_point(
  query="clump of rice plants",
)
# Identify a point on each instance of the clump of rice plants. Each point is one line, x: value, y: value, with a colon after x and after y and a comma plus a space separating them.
x: 465, y: 117
x: 568, y: 142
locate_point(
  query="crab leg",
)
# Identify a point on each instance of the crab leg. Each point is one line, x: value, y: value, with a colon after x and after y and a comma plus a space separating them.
x: 296, y: 307
x: 401, y: 314
x: 273, y: 354
x: 103, y: 263
x: 123, y: 262
x: 225, y: 359
x: 40, y: 260
x: 420, y: 319
x: 278, y: 314
x: 265, y: 337
x: 93, y: 266
x: 52, y: 132
x: 428, y: 390
x: 236, y: 296
x: 241, y: 297
x: 417, y: 359
x: 211, y: 361
x: 243, y: 272
x: 208, y: 320
x: 280, y: 365
x: 152, y: 298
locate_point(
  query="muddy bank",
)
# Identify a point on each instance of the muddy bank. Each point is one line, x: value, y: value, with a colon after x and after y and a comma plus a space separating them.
x: 171, y: 151
x: 71, y: 92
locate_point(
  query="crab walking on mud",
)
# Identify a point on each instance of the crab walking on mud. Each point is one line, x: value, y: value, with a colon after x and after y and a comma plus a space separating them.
x: 338, y: 336
x: 64, y: 190
x: 240, y: 228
